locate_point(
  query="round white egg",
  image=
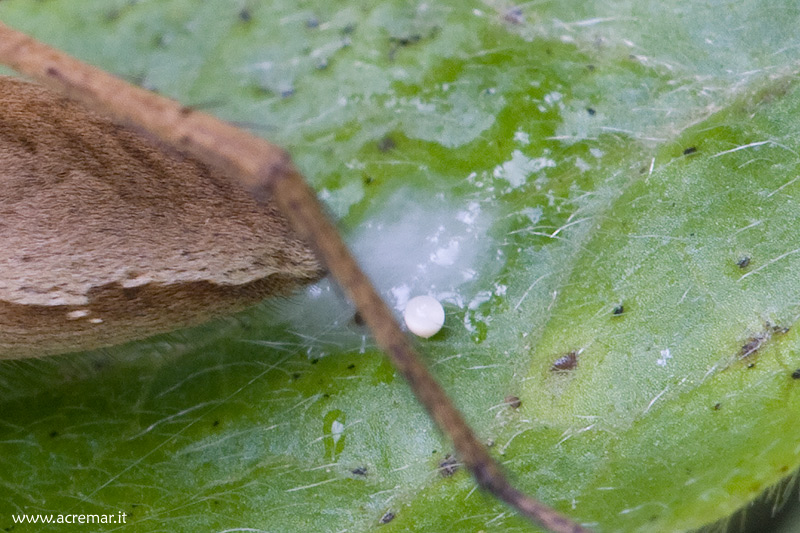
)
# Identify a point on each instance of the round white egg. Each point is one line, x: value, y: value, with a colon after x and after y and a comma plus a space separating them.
x: 424, y: 316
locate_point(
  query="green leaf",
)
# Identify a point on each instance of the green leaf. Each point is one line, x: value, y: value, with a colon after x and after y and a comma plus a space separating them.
x: 603, y: 196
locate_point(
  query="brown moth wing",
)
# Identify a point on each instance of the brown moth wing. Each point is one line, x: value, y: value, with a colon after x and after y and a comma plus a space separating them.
x: 106, y: 237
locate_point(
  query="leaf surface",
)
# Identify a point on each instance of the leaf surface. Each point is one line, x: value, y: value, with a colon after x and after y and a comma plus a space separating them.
x: 602, y: 194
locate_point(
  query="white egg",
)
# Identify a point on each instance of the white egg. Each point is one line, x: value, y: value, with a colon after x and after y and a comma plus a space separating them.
x: 424, y: 316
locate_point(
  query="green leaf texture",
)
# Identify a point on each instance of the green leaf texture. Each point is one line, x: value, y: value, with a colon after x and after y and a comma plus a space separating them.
x: 604, y: 196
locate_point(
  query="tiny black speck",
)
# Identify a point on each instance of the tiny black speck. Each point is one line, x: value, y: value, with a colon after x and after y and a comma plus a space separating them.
x: 360, y: 471
x: 717, y: 406
x: 618, y: 310
x: 796, y: 374
x: 53, y: 434
x: 406, y: 40
x: 690, y: 150
x: 591, y: 111
x: 744, y: 262
x: 215, y: 423
x: 351, y: 366
x: 386, y: 518
x: 513, y: 401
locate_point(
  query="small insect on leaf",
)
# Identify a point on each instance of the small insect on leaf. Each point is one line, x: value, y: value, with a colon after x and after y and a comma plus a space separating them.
x: 565, y: 362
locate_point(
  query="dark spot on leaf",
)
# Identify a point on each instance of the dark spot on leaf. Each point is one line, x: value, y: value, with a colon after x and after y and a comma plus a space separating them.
x: 751, y: 365
x: 245, y: 15
x: 215, y: 423
x: 618, y: 310
x: 386, y: 143
x: 752, y: 345
x: 591, y: 111
x: 744, y: 262
x: 314, y: 361
x: 406, y: 40
x: 796, y: 374
x: 690, y: 150
x: 448, y: 466
x: 53, y: 434
x: 296, y: 375
x: 513, y: 401
x: 312, y: 22
x: 514, y: 16
x: 590, y: 67
x: 717, y: 406
x: 565, y: 362
x: 386, y: 518
x: 351, y: 366
x: 360, y: 471
x: 755, y: 342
